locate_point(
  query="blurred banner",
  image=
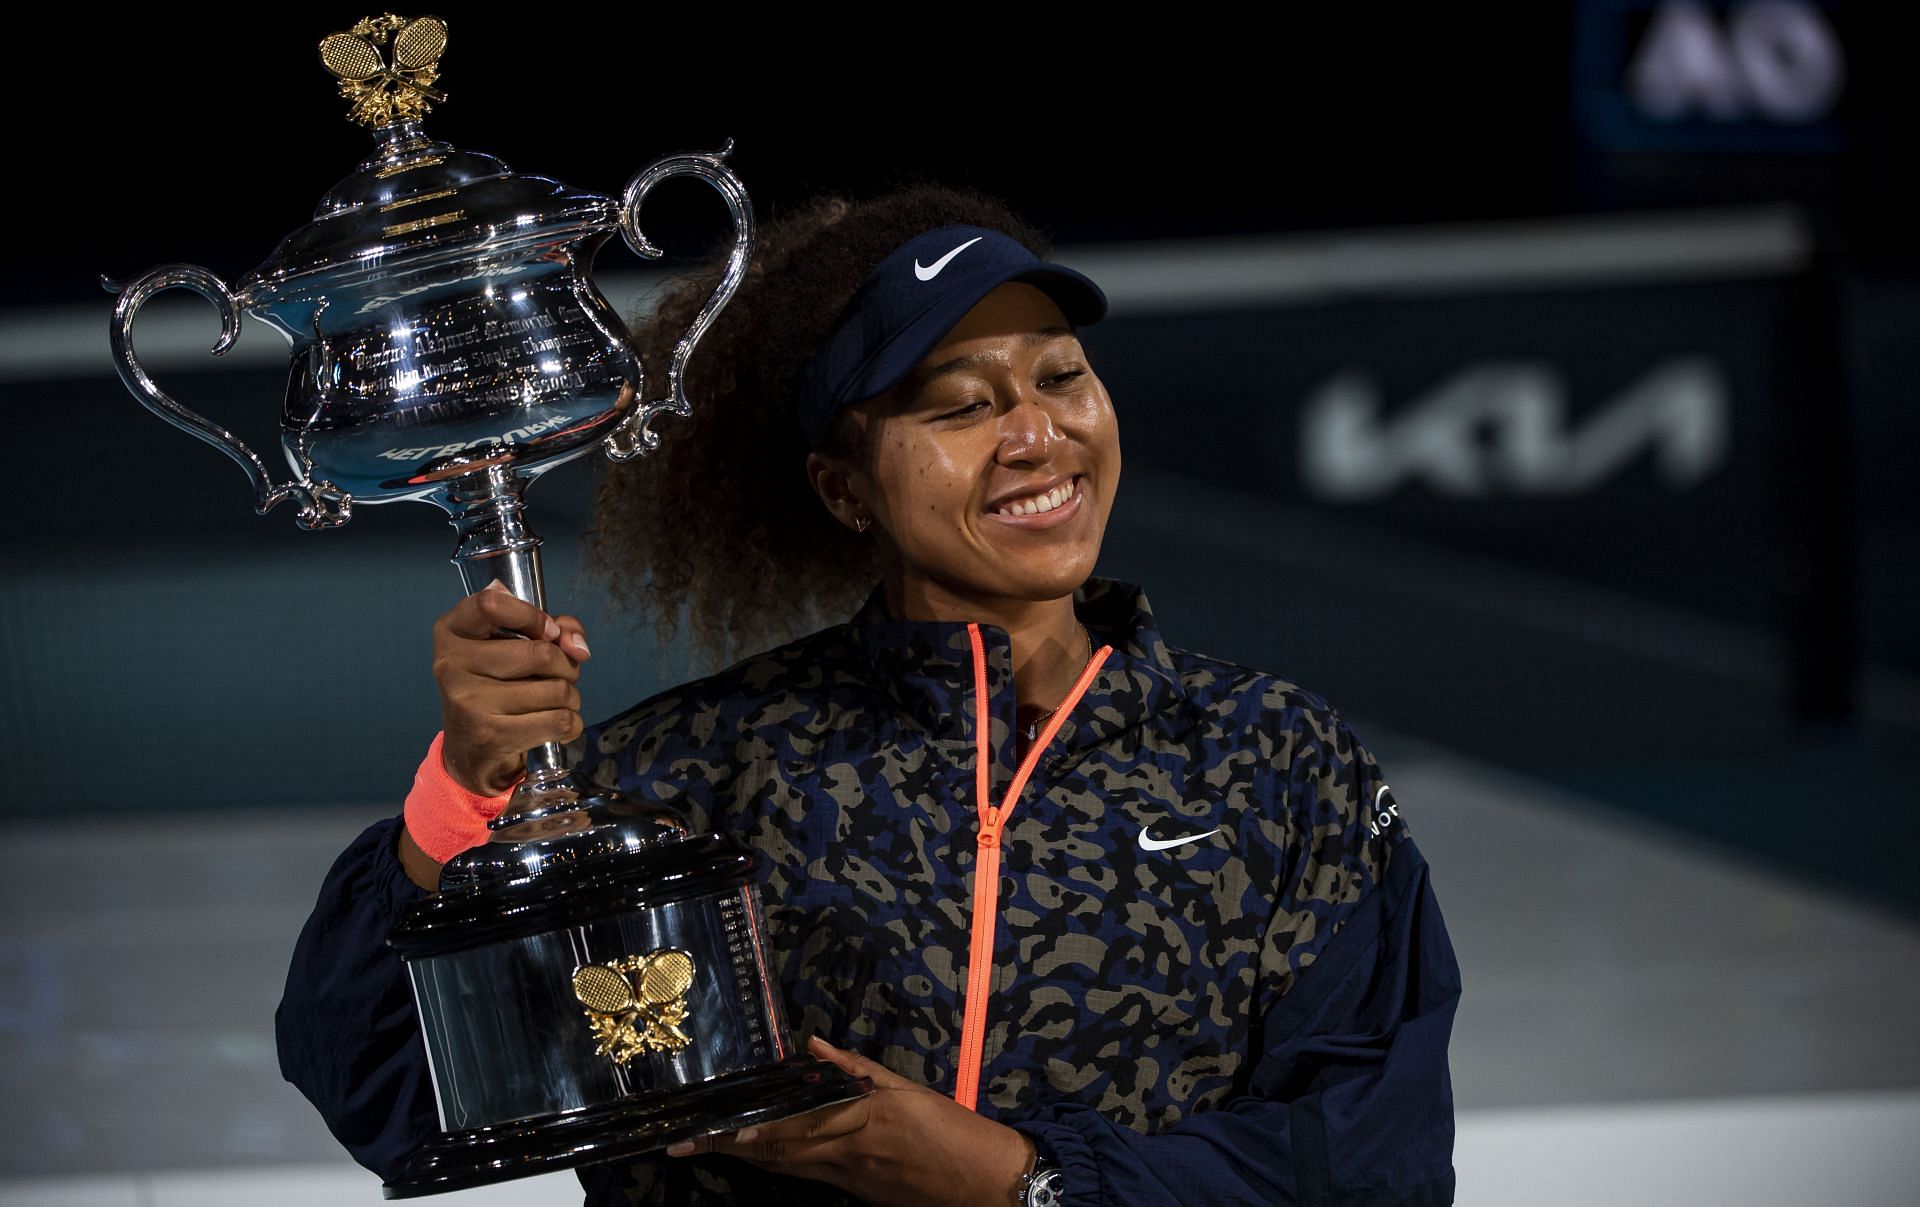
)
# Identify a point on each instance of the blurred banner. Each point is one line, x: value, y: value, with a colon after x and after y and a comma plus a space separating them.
x: 1604, y: 399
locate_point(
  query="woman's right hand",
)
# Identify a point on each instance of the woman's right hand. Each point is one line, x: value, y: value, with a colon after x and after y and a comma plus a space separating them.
x: 501, y: 695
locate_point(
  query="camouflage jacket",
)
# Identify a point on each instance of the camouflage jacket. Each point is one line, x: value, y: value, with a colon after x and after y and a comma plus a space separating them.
x: 1219, y: 974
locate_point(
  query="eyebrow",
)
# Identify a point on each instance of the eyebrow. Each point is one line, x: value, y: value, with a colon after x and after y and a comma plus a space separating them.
x: 957, y: 364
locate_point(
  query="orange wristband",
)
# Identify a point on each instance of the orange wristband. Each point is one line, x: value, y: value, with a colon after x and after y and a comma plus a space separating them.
x: 443, y: 817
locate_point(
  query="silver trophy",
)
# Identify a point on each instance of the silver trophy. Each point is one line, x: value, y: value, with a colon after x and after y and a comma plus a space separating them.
x: 592, y: 981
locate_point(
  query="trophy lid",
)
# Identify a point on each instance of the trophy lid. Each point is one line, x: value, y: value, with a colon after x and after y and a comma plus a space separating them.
x: 415, y: 202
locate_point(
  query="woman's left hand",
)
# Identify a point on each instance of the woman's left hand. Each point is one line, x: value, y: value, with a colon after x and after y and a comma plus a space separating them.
x: 903, y: 1143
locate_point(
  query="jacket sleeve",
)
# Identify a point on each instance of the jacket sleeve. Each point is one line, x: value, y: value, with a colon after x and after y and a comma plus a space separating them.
x: 1349, y: 1103
x: 347, y: 1029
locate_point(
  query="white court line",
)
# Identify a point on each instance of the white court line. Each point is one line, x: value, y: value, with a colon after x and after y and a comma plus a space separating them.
x: 1585, y: 251
x: 175, y: 331
x: 1856, y: 1149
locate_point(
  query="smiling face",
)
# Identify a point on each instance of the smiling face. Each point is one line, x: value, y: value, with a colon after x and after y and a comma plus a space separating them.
x: 989, y: 472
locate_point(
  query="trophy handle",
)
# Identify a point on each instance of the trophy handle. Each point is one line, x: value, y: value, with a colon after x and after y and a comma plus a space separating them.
x: 634, y: 435
x: 321, y: 504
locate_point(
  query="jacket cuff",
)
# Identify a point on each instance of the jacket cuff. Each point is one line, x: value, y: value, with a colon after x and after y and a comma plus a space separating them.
x: 380, y: 864
x: 443, y: 817
x: 1062, y: 1147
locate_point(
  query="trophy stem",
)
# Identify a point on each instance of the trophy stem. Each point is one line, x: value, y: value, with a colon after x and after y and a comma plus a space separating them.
x: 488, y: 511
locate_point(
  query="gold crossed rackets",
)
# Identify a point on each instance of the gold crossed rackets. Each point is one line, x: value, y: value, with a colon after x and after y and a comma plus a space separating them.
x: 384, y: 92
x: 650, y: 988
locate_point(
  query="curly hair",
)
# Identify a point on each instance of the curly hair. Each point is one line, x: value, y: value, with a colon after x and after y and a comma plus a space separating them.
x: 721, y: 521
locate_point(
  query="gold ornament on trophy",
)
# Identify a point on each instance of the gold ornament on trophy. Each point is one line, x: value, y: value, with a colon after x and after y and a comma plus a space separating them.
x: 384, y: 92
x: 649, y: 989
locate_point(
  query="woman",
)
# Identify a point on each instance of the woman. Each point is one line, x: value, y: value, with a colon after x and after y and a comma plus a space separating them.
x: 1102, y: 918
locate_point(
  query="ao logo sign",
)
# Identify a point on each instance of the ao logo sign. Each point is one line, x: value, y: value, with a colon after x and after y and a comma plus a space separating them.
x: 1503, y: 428
x: 1771, y: 59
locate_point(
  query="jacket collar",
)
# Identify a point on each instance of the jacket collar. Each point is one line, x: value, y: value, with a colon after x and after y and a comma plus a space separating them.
x: 926, y: 667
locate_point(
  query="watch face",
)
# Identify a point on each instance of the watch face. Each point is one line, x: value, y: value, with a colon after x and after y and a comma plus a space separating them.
x: 1044, y: 1190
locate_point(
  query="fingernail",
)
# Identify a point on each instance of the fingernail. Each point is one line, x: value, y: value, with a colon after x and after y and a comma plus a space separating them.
x: 823, y: 1043
x: 580, y: 643
x: 746, y: 1135
x: 495, y: 585
x: 681, y: 1149
x: 553, y: 629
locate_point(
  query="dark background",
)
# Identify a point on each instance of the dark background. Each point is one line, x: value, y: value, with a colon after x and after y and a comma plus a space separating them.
x: 1733, y: 657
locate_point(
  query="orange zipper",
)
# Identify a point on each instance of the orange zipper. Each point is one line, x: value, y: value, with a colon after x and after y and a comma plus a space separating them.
x: 986, y: 863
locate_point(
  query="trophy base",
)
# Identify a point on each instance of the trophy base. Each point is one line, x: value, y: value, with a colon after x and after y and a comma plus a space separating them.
x: 628, y: 1128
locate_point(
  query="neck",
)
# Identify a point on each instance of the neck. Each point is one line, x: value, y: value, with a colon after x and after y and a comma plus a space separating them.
x: 1049, y: 646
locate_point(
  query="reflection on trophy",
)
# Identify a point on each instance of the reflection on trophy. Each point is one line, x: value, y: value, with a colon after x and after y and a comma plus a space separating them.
x: 592, y: 981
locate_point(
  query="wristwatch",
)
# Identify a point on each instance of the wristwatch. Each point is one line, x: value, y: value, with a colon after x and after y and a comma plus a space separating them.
x: 1041, y: 1187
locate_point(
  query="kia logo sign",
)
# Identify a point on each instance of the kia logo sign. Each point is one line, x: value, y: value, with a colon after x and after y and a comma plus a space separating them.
x: 1502, y: 428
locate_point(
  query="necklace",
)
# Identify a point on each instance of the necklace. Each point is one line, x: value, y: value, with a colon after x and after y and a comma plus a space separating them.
x: 1032, y: 732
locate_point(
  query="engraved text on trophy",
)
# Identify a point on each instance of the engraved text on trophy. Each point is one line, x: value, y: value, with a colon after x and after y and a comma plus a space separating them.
x: 467, y: 356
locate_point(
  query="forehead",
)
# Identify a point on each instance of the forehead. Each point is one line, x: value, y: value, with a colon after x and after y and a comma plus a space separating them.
x: 1014, y: 309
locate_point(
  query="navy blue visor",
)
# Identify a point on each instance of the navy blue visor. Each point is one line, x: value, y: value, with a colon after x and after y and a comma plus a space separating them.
x: 909, y: 303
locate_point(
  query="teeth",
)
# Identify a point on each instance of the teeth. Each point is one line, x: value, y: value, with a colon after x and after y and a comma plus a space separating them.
x: 1040, y: 503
